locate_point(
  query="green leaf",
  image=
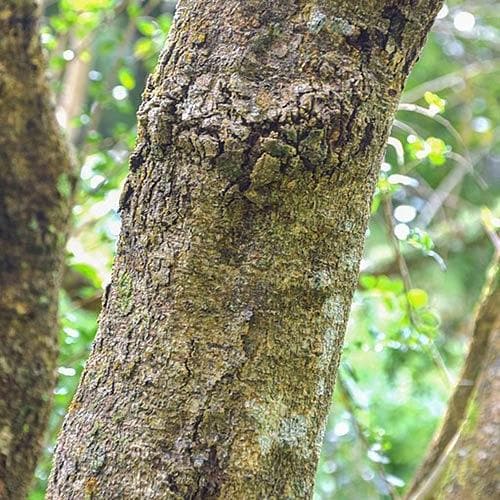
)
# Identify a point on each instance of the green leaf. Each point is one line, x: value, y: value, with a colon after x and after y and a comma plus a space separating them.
x: 126, y: 78
x: 368, y: 281
x: 86, y: 5
x: 430, y: 318
x: 386, y: 284
x: 133, y: 10
x: 146, y: 26
x: 377, y: 200
x: 437, y: 150
x: 144, y: 47
x: 420, y: 239
x: 59, y: 24
x: 417, y: 298
x: 428, y: 323
x: 88, y: 272
x: 436, y: 104
x: 384, y: 186
x: 417, y: 147
x: 165, y: 22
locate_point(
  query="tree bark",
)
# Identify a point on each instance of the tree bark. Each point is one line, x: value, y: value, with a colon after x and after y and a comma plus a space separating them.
x: 260, y: 139
x: 462, y: 462
x: 35, y: 185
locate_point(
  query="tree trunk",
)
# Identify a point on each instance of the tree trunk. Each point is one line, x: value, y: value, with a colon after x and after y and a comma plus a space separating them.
x: 244, y: 215
x: 35, y: 184
x: 463, y: 459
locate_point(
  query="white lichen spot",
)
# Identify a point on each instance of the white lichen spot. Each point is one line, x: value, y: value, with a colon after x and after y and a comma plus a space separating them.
x: 329, y: 343
x: 276, y: 427
x: 316, y: 21
x: 390, y: 46
x: 199, y: 460
x: 21, y: 309
x: 318, y: 441
x: 333, y: 309
x: 320, y: 389
x: 349, y: 263
x: 292, y: 430
x: 5, y: 440
x: 321, y: 279
x: 348, y: 226
x: 265, y: 443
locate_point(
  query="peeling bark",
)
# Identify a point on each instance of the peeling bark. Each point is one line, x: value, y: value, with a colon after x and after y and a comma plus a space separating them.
x: 463, y: 459
x: 260, y: 138
x: 35, y: 185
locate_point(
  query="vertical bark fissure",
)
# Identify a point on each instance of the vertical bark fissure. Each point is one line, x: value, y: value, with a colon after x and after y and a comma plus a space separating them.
x: 244, y: 214
x: 35, y: 186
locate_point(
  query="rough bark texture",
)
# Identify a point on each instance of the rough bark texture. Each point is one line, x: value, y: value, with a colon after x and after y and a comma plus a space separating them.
x: 35, y: 185
x: 463, y: 459
x: 260, y: 138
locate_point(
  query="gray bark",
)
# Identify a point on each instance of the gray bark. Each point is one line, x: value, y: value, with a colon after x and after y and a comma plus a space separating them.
x: 260, y: 138
x: 35, y: 185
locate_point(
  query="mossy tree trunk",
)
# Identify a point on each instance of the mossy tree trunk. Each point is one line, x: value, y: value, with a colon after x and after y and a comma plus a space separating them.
x: 35, y: 184
x: 463, y: 459
x: 244, y: 215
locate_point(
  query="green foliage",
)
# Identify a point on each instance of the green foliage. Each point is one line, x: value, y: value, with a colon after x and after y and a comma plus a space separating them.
x: 436, y: 104
x: 417, y: 298
x: 408, y: 328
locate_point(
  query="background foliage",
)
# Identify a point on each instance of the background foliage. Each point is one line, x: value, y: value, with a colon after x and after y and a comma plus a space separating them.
x: 427, y: 248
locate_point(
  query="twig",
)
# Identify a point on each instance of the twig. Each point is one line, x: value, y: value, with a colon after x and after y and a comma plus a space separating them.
x: 452, y: 130
x: 351, y: 407
x: 405, y: 275
x: 451, y: 79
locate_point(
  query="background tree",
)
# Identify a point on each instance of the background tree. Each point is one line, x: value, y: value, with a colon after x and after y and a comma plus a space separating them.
x: 244, y: 216
x: 395, y: 387
x: 35, y: 187
x: 463, y: 458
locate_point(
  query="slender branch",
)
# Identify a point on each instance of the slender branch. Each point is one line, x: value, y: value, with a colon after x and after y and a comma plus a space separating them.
x: 73, y: 93
x: 451, y: 79
x: 452, y: 130
x: 426, y: 477
x: 405, y: 275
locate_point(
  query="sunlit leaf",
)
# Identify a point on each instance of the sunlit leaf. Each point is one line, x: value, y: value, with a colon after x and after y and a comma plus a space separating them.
x: 417, y: 298
x: 146, y: 26
x: 144, y: 47
x: 436, y: 104
x: 126, y: 78
x: 437, y: 150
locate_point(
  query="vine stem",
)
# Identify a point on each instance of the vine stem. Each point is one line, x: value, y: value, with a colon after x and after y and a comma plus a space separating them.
x: 405, y: 276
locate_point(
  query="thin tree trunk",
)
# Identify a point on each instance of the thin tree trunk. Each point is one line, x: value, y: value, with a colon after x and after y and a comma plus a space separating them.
x: 74, y: 92
x: 463, y: 459
x: 244, y: 215
x: 35, y: 185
